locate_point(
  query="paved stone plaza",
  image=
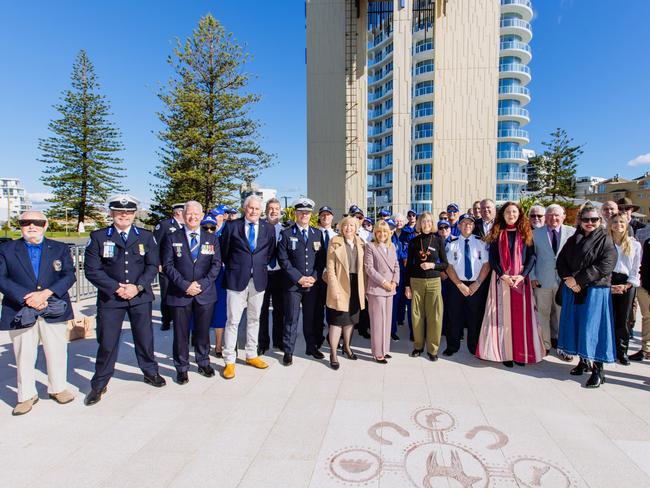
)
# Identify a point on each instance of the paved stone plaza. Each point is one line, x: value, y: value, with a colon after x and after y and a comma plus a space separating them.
x: 411, y: 423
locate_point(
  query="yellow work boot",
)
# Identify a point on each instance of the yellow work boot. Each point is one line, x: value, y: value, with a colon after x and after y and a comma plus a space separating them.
x: 229, y: 371
x: 25, y: 407
x: 257, y: 363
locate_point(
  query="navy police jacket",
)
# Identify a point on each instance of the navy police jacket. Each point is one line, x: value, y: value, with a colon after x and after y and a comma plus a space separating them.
x: 182, y: 271
x: 165, y: 228
x: 56, y: 273
x: 110, y: 261
x: 242, y: 264
x: 298, y: 259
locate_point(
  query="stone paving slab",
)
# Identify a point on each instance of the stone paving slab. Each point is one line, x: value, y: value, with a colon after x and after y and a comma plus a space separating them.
x: 459, y: 422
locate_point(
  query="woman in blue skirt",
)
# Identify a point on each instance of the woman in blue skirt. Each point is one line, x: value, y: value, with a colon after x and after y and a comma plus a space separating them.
x: 220, y: 308
x: 585, y: 264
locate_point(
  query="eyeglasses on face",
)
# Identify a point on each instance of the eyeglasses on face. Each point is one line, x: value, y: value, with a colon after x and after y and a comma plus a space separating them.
x: 536, y: 216
x: 35, y: 222
x: 592, y: 220
x: 210, y: 228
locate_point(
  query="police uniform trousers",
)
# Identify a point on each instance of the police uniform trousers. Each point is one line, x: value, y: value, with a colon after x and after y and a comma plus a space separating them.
x: 292, y: 302
x: 319, y: 313
x: 55, y: 346
x: 464, y: 312
x: 200, y: 316
x: 274, y: 293
x: 109, y: 330
x: 165, y: 310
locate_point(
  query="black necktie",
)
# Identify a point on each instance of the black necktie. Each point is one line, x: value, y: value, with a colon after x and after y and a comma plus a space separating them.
x: 327, y: 240
x: 554, y: 241
x: 124, y: 235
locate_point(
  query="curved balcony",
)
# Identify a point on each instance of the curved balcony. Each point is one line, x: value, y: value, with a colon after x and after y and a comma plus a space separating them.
x: 508, y: 197
x: 518, y: 49
x: 422, y: 155
x: 423, y: 134
x: 379, y: 42
x: 511, y: 156
x: 515, y: 92
x: 518, y: 27
x: 521, y: 7
x: 383, y: 59
x: 513, y: 135
x: 515, y: 70
x: 512, y: 177
x: 519, y: 114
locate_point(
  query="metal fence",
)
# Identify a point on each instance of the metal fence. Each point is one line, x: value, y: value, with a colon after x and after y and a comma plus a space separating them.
x: 83, y: 288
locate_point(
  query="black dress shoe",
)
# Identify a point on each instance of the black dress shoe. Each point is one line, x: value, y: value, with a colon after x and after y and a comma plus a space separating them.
x: 155, y: 380
x: 394, y: 337
x: 316, y: 354
x: 182, y: 378
x: 287, y: 359
x: 508, y: 364
x: 350, y: 355
x: 388, y: 356
x: 165, y: 327
x: 381, y: 361
x: 448, y: 352
x: 639, y: 356
x: 207, y: 371
x: 94, y: 396
x: 519, y: 363
x: 432, y: 357
x: 624, y: 359
x: 583, y: 365
x: 416, y: 353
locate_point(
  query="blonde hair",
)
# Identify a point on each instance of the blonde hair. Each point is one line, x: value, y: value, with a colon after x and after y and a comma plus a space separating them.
x: 626, y: 241
x: 421, y: 217
x: 379, y: 227
x: 347, y: 220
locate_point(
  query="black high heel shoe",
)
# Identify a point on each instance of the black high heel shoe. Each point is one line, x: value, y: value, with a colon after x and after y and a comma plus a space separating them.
x: 349, y: 354
x: 508, y: 364
x: 381, y: 361
x: 334, y: 364
x: 597, y: 377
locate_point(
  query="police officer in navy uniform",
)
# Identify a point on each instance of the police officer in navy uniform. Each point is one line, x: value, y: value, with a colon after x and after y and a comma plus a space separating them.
x: 191, y: 259
x: 122, y: 262
x: 164, y: 228
x: 301, y: 254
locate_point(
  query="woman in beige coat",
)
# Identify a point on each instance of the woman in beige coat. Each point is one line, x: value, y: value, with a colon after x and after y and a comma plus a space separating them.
x: 345, y: 286
x: 382, y: 276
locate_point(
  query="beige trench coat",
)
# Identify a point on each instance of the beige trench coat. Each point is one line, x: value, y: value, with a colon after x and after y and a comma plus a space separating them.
x: 338, y: 274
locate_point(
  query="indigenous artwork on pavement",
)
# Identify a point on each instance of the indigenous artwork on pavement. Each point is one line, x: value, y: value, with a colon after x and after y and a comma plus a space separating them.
x: 433, y: 460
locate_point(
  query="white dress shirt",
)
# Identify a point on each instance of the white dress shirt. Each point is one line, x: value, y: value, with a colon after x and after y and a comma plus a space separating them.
x: 629, y: 265
x: 456, y: 256
x: 188, y: 236
x: 256, y: 226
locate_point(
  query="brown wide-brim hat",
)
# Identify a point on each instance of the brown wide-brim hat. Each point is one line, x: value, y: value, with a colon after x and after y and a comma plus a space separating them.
x: 626, y: 203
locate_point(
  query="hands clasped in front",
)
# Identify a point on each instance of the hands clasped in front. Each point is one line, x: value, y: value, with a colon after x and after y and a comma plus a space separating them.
x: 307, y: 281
x: 37, y: 299
x: 127, y: 291
x: 513, y: 281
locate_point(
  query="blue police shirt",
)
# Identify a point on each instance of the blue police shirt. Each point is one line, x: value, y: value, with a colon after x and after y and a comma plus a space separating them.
x: 35, y: 251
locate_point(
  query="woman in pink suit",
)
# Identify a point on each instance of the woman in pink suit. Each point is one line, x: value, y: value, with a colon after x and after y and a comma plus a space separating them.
x: 382, y: 277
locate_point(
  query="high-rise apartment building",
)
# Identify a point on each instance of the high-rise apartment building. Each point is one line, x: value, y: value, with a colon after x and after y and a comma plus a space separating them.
x: 13, y: 199
x: 417, y: 103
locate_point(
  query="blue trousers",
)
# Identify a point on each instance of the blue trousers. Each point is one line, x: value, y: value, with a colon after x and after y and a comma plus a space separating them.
x: 292, y: 301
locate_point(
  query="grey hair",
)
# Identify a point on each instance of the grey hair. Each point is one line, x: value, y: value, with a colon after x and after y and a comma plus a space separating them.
x: 22, y: 214
x: 252, y: 198
x: 530, y: 210
x: 555, y: 206
x: 398, y: 216
x: 488, y: 200
x: 192, y: 203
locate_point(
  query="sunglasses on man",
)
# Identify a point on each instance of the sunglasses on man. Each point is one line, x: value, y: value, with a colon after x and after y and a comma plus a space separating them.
x: 34, y: 222
x: 536, y: 216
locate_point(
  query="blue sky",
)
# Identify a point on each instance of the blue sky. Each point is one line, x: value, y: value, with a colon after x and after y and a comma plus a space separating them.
x: 590, y: 67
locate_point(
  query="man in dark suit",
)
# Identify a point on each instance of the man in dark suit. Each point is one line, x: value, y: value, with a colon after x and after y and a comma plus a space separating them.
x: 274, y: 289
x: 483, y: 225
x: 122, y: 262
x: 301, y: 253
x: 247, y: 246
x: 165, y: 228
x: 191, y: 260
x: 35, y: 271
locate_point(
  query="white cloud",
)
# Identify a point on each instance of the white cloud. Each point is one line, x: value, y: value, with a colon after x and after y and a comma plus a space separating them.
x: 640, y: 160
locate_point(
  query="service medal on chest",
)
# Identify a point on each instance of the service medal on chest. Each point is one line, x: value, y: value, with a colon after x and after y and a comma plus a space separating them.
x: 56, y: 264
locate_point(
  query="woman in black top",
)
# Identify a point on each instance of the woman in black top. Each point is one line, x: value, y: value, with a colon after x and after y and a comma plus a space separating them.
x: 426, y: 259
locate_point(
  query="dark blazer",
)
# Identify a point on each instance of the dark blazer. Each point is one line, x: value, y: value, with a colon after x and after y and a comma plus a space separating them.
x: 240, y: 263
x: 164, y: 228
x: 56, y: 273
x: 528, y: 256
x: 182, y: 271
x: 478, y: 229
x: 297, y: 259
x: 134, y: 261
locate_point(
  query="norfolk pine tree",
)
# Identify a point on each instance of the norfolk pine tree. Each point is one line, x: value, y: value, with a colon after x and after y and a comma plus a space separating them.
x: 556, y: 167
x: 81, y: 162
x: 209, y: 140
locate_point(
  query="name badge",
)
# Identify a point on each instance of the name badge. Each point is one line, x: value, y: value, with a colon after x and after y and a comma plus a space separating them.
x: 109, y: 249
x: 207, y: 248
x: 141, y: 249
x: 178, y: 247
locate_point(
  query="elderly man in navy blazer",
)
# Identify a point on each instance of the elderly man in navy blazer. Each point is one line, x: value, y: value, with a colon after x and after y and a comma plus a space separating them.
x: 33, y: 272
x: 191, y: 260
x: 247, y: 246
x: 122, y: 262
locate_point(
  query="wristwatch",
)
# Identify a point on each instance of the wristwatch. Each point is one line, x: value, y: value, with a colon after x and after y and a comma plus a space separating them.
x: 140, y: 288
